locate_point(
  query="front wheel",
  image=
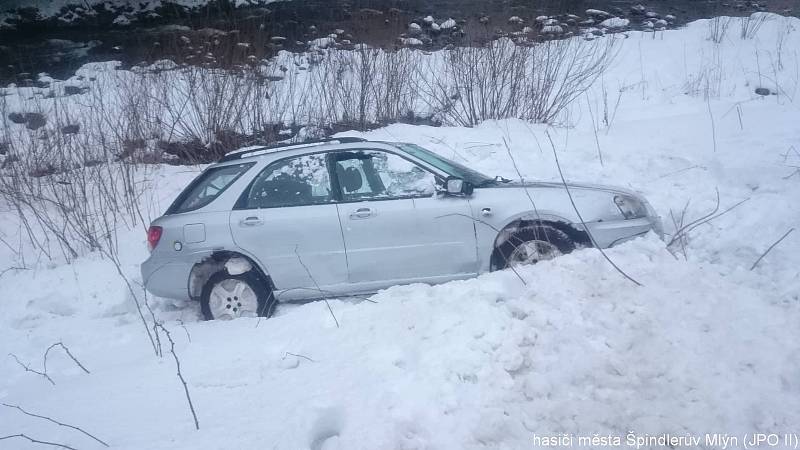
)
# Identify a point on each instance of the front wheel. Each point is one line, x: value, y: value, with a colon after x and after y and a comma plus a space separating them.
x: 226, y: 296
x: 534, y: 244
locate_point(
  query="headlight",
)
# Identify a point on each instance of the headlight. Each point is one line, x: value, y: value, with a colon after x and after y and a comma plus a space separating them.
x: 630, y: 207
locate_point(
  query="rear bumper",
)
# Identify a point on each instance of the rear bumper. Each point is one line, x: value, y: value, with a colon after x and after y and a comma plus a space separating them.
x: 167, y: 278
x: 608, y: 234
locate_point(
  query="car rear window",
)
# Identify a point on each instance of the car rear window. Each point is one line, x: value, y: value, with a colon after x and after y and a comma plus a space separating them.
x: 206, y: 187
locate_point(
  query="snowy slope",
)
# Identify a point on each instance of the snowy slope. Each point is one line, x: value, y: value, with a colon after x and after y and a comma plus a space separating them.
x: 706, y: 345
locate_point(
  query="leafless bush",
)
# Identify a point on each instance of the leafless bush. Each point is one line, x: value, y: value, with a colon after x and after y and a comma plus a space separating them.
x: 503, y: 79
x: 678, y: 222
x: 68, y: 200
x: 561, y: 71
x: 718, y: 28
x: 707, y: 80
x: 682, y: 232
x: 200, y: 103
x: 395, y: 91
x: 473, y: 84
x: 70, y: 191
x: 750, y: 25
x: 786, y: 30
x: 609, y: 114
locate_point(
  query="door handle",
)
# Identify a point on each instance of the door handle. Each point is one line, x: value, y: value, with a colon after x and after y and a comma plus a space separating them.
x: 361, y: 213
x: 251, y: 221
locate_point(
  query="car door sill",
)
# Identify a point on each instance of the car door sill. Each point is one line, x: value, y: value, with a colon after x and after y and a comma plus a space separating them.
x: 361, y: 289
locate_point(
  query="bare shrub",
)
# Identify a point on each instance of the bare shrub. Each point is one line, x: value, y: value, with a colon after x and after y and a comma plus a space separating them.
x: 474, y: 84
x: 707, y: 80
x: 560, y: 72
x: 718, y: 28
x: 395, y: 91
x: 201, y: 103
x: 750, y: 25
x: 71, y: 192
x: 503, y: 79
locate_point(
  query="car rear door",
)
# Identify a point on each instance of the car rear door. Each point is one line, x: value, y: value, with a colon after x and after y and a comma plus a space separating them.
x: 396, y: 227
x: 287, y: 218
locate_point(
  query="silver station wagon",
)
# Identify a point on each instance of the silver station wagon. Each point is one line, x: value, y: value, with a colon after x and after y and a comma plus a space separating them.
x: 347, y: 216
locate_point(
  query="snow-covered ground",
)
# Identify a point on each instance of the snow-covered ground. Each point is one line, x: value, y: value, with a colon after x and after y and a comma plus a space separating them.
x: 706, y: 345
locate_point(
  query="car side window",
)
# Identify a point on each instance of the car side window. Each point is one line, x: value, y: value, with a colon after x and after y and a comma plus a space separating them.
x: 207, y: 187
x: 297, y: 181
x: 371, y: 174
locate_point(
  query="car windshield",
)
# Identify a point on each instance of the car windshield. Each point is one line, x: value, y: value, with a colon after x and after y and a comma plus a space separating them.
x: 445, y: 165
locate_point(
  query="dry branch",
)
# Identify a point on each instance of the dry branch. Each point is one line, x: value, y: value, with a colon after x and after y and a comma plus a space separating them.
x: 594, y: 130
x: 66, y: 349
x: 36, y: 441
x: 180, y: 374
x: 572, y: 201
x: 28, y: 369
x: 679, y: 234
x: 770, y: 248
x: 56, y: 422
x: 315, y: 284
x: 285, y: 354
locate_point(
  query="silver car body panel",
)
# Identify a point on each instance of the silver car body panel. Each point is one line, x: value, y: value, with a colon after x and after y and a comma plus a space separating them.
x: 355, y: 247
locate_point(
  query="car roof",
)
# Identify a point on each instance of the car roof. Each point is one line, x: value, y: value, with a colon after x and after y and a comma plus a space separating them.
x: 260, y: 150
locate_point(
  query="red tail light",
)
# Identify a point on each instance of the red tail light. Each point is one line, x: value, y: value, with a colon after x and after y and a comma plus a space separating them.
x: 153, y: 236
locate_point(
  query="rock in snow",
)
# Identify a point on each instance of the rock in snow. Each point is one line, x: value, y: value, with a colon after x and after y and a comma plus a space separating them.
x: 615, y: 22
x: 597, y: 13
x: 447, y: 24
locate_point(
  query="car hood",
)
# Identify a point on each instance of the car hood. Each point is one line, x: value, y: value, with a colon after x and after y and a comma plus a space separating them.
x: 571, y: 185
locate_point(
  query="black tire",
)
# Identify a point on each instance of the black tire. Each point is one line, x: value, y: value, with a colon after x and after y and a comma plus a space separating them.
x: 547, y: 233
x: 264, y: 295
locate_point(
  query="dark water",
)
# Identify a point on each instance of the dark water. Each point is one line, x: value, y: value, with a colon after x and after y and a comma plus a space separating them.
x: 58, y: 49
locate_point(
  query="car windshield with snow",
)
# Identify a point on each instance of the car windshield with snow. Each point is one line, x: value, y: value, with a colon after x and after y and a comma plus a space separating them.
x: 346, y: 216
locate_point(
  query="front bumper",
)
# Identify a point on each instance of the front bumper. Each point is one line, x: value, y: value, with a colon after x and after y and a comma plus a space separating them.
x: 609, y: 233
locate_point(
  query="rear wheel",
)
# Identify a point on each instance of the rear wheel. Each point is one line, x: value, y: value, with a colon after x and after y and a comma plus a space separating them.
x: 534, y: 244
x: 227, y: 296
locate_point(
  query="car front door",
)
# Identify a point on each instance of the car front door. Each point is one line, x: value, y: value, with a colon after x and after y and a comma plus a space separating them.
x: 396, y: 227
x: 287, y: 218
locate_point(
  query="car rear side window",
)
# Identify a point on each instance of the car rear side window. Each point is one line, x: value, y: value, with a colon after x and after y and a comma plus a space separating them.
x: 208, y: 186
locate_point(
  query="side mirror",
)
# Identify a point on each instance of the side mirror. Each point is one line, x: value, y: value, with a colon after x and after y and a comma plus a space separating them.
x: 457, y: 186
